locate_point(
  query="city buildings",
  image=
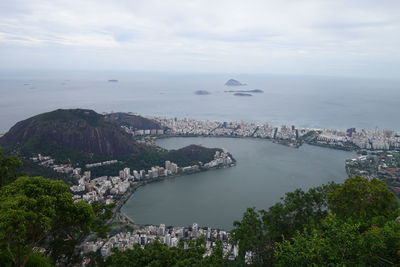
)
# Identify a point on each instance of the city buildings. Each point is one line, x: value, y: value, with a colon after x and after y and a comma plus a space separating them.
x: 170, y: 235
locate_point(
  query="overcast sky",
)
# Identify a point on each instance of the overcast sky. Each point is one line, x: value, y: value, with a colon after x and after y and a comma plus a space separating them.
x: 350, y: 37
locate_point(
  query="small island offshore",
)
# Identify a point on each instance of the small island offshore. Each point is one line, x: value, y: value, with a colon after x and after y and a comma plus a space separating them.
x: 202, y: 92
x: 104, y: 158
x: 233, y: 82
x: 242, y: 94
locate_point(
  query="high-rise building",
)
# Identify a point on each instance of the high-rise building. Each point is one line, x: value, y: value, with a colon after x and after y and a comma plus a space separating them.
x: 161, y: 230
x: 127, y: 172
x: 168, y: 165
x: 155, y: 171
x: 87, y: 175
x: 168, y: 239
x: 136, y: 175
x: 174, y: 168
x: 195, y: 227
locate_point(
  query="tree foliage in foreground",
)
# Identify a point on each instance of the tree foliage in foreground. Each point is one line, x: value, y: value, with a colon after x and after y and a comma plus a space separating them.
x: 361, y: 199
x: 347, y: 225
x: 8, y: 168
x: 158, y: 254
x: 336, y: 242
x: 259, y: 231
x: 37, y: 212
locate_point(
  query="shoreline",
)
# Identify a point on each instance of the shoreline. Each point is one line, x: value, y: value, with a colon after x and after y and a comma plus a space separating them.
x: 119, y: 213
x: 276, y: 141
x: 350, y: 139
x: 125, y: 218
x: 121, y: 202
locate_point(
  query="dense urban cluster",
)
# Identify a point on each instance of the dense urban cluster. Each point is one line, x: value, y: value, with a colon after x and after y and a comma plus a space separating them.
x: 143, y: 131
x: 349, y: 139
x: 384, y: 165
x: 168, y: 235
x: 104, y: 163
x: 107, y: 189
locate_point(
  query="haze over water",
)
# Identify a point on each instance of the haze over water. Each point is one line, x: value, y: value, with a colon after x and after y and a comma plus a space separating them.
x: 265, y: 172
x: 304, y: 101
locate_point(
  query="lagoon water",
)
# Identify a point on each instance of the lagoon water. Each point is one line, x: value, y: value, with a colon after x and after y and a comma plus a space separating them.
x: 265, y: 172
x: 304, y: 101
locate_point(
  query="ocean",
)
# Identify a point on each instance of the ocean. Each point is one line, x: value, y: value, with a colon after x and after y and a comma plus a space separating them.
x: 304, y: 101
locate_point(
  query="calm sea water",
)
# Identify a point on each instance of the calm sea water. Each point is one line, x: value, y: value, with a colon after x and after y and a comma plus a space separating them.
x: 265, y: 172
x: 300, y: 100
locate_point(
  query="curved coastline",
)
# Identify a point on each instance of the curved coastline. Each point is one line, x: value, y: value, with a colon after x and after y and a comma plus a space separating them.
x: 118, y: 214
x: 276, y: 141
x: 198, y: 180
x: 132, y: 190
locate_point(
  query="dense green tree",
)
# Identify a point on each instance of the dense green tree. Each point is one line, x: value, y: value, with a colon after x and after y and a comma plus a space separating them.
x: 103, y: 213
x: 362, y: 199
x: 297, y: 210
x: 8, y: 168
x: 258, y: 232
x: 341, y: 243
x: 217, y: 257
x: 38, y: 260
x: 35, y: 211
x: 362, y: 230
x: 250, y: 236
x: 158, y: 254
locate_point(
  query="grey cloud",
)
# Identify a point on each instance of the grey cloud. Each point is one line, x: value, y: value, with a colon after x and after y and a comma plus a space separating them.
x: 170, y: 34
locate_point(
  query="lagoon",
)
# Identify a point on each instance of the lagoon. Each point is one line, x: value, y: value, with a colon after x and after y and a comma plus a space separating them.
x: 265, y: 171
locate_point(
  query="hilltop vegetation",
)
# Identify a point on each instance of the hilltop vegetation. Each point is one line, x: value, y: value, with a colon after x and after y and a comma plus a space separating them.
x: 133, y: 121
x: 69, y: 132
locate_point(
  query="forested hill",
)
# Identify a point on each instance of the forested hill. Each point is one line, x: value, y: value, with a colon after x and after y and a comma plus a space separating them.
x: 76, y: 130
x: 133, y: 121
x: 81, y: 136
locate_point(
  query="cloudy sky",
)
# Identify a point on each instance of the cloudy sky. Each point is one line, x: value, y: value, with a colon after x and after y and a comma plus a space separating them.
x: 350, y: 37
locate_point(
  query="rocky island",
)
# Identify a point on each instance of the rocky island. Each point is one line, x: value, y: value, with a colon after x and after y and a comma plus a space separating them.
x: 202, y: 92
x: 242, y: 94
x: 233, y: 82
